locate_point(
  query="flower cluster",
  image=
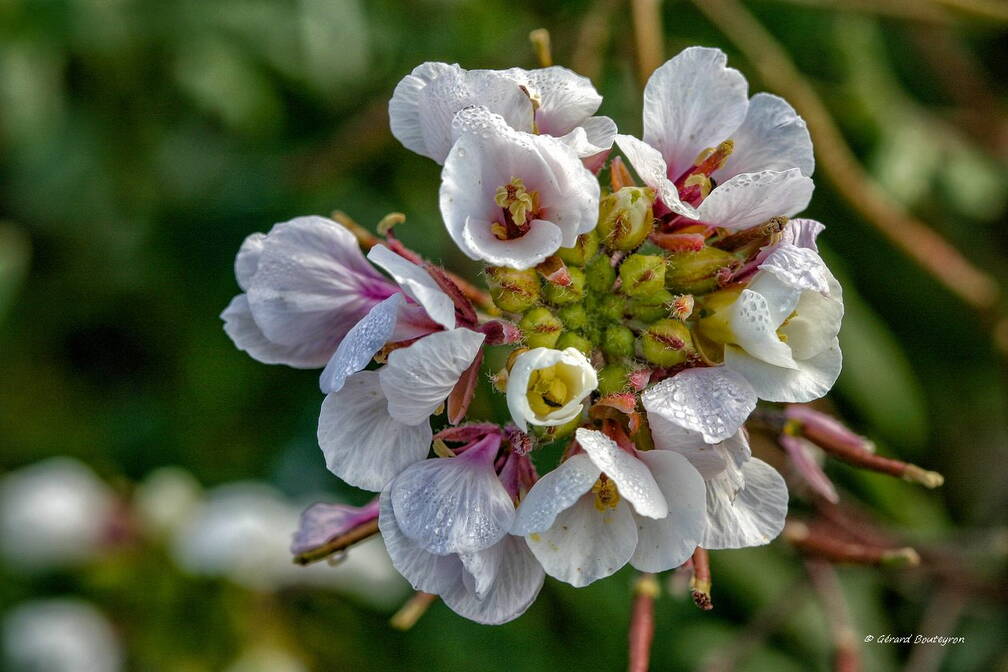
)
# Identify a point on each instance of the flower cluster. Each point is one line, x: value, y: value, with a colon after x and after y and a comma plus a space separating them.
x: 642, y: 320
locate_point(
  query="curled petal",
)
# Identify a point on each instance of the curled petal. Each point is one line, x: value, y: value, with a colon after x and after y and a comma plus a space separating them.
x: 772, y: 137
x: 631, y: 475
x: 241, y: 327
x: 713, y: 401
x: 424, y: 570
x: 750, y: 516
x: 650, y: 166
x: 516, y: 583
x: 755, y: 330
x: 812, y: 379
x: 556, y: 491
x: 753, y: 198
x: 417, y: 284
x: 361, y: 343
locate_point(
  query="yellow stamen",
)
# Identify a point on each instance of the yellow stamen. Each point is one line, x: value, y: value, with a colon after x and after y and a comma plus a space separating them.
x: 549, y: 389
x: 606, y: 494
x: 518, y: 201
x: 699, y: 180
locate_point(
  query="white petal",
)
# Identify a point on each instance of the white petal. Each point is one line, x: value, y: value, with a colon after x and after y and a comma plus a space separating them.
x: 714, y: 401
x: 312, y: 284
x: 417, y: 284
x: 362, y: 443
x: 247, y: 259
x: 418, y: 378
x: 772, y: 137
x: 690, y: 103
x: 247, y: 336
x: 556, y: 491
x: 595, y: 135
x: 753, y: 516
x: 811, y: 380
x: 803, y: 233
x: 565, y: 98
x: 404, y: 108
x: 632, y: 477
x: 667, y: 543
x: 753, y: 198
x: 585, y: 544
x: 580, y: 378
x: 651, y: 168
x: 481, y: 569
x: 361, y: 343
x: 425, y: 571
x: 710, y: 459
x: 799, y: 267
x: 815, y: 325
x: 452, y: 504
x: 517, y: 583
x: 755, y: 330
x: 542, y: 239
x: 781, y: 298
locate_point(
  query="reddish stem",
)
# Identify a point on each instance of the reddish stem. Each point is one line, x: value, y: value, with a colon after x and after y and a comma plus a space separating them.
x: 642, y: 623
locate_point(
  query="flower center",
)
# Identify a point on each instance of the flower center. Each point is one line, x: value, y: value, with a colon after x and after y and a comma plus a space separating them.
x: 519, y: 207
x: 696, y: 183
x: 606, y: 494
x: 550, y: 388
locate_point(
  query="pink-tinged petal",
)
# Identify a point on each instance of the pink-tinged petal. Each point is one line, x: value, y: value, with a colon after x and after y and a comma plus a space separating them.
x: 772, y: 137
x: 542, y: 239
x: 585, y: 544
x: 361, y: 442
x: 798, y: 232
x: 320, y: 523
x: 453, y: 504
x: 751, y: 516
x: 668, y: 542
x: 361, y: 343
x: 462, y: 394
x: 812, y: 379
x: 419, y: 378
x: 553, y: 493
x: 755, y: 330
x: 753, y: 198
x: 651, y: 168
x: 517, y: 579
x: 631, y: 475
x: 247, y: 260
x: 713, y: 401
x: 417, y: 284
x: 247, y: 336
x: 424, y: 570
x: 404, y: 107
x: 692, y: 102
x: 800, y: 452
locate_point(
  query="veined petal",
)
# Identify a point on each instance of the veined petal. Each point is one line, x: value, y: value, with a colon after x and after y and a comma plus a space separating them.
x: 692, y: 102
x: 247, y: 259
x: 247, y: 336
x: 362, y: 443
x: 668, y: 542
x: 425, y: 571
x: 417, y: 284
x: 556, y: 491
x: 452, y: 504
x: 755, y: 330
x: 585, y: 544
x: 419, y: 378
x: 481, y: 569
x: 595, y: 135
x: 652, y: 169
x: 543, y: 239
x: 752, y: 516
x: 811, y: 380
x: 815, y: 325
x: 565, y: 99
x: 713, y: 401
x: 518, y: 579
x: 361, y: 343
x: 799, y: 267
x: 772, y: 137
x: 404, y: 107
x: 321, y: 522
x: 710, y: 459
x: 631, y: 475
x: 753, y: 198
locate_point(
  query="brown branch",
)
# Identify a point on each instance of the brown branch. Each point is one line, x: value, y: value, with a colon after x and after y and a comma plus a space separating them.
x: 838, y: 161
x: 647, y: 24
x: 540, y: 39
x: 341, y: 543
x: 911, y: 10
x: 847, y: 651
x: 642, y: 623
x: 410, y: 613
x: 813, y: 541
x: 593, y: 38
x: 990, y: 10
x: 700, y: 584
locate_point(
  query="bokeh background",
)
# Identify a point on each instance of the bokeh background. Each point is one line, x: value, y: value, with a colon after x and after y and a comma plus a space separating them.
x: 152, y: 474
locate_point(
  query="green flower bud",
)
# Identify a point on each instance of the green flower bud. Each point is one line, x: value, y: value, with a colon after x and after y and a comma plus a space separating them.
x: 642, y: 274
x: 715, y: 315
x: 511, y: 290
x: 611, y: 307
x: 541, y: 328
x: 613, y: 379
x: 600, y: 275
x: 572, y: 339
x: 626, y: 217
x: 573, y: 316
x: 666, y: 342
x: 559, y: 295
x: 583, y: 250
x: 618, y: 341
x: 651, y: 307
x: 696, y: 272
x: 550, y: 434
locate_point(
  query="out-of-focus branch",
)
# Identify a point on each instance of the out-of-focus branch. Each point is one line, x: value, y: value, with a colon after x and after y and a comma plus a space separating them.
x: 593, y: 36
x: 647, y: 23
x: 941, y: 616
x: 642, y: 623
x: 540, y: 39
x: 846, y: 649
x: 410, y: 613
x: 814, y: 542
x: 341, y: 543
x: 912, y: 10
x: 990, y: 10
x: 837, y: 160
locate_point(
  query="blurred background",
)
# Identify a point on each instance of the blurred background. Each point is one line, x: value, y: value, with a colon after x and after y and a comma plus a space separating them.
x: 152, y: 474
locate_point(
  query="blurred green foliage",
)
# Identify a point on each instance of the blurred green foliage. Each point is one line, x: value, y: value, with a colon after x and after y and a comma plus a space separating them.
x: 142, y: 140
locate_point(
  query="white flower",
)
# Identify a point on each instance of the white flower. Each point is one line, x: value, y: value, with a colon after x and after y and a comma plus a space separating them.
x: 547, y: 387
x: 552, y: 101
x: 785, y: 326
x: 692, y: 105
x: 597, y: 511
x: 510, y: 198
x: 60, y: 635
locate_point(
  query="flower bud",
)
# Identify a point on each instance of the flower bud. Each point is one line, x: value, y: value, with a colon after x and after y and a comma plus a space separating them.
x: 550, y: 434
x: 618, y: 341
x: 600, y: 275
x: 512, y: 290
x: 697, y: 272
x: 559, y: 295
x: 584, y: 249
x: 547, y: 387
x: 573, y: 316
x: 651, y: 307
x: 611, y: 307
x: 541, y: 328
x: 642, y: 274
x: 666, y: 342
x: 613, y: 379
x: 715, y: 318
x: 572, y: 339
x: 626, y: 217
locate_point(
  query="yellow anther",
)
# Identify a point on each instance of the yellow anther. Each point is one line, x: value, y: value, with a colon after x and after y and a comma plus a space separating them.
x: 516, y: 200
x: 606, y: 493
x: 499, y: 231
x: 699, y: 180
x: 547, y: 391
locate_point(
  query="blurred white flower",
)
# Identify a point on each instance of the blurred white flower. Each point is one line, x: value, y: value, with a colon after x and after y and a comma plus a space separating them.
x: 166, y: 499
x: 548, y: 387
x: 59, y: 635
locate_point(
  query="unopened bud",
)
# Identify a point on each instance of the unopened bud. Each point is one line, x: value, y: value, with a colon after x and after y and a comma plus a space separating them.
x: 611, y: 307
x: 559, y: 295
x: 642, y: 274
x: 666, y: 343
x: 697, y: 272
x: 512, y: 290
x: 715, y: 320
x: 541, y: 328
x: 613, y: 379
x: 584, y: 249
x: 572, y: 339
x: 573, y: 316
x: 618, y: 341
x: 600, y: 275
x: 626, y: 217
x: 900, y: 557
x: 651, y: 307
